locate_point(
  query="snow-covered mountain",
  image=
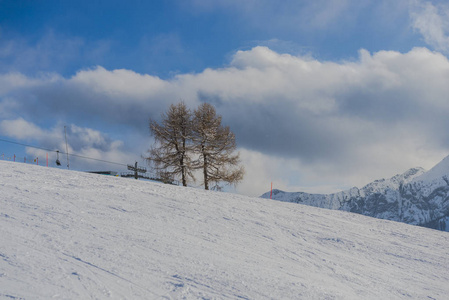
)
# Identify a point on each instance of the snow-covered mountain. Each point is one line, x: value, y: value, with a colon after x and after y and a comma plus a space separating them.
x: 415, y: 197
x: 73, y: 235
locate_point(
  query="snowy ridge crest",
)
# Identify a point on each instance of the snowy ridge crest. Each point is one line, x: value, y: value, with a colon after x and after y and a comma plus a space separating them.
x: 415, y: 197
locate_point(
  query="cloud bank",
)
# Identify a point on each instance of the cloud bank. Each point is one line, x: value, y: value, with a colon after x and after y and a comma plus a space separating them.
x: 300, y: 122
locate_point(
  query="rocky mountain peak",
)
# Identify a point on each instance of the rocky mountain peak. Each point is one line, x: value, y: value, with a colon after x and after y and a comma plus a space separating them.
x: 415, y: 197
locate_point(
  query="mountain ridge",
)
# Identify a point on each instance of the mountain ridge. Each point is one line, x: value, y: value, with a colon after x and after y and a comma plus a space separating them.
x: 414, y: 197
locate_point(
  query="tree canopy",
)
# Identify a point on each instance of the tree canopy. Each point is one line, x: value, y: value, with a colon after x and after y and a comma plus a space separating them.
x: 172, y: 136
x: 215, y: 145
x: 186, y: 142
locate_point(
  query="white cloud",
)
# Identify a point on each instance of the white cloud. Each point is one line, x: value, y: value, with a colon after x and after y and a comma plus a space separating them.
x: 124, y: 84
x: 432, y: 22
x: 300, y: 122
x: 20, y: 129
x: 14, y: 81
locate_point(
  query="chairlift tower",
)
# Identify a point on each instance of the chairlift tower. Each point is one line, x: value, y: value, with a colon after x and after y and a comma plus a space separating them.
x: 137, y: 170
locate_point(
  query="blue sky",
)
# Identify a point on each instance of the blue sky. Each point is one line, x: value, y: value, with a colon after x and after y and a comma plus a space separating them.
x: 322, y: 95
x: 168, y: 37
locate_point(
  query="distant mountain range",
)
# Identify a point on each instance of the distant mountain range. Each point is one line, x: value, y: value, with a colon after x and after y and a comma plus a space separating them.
x: 415, y: 197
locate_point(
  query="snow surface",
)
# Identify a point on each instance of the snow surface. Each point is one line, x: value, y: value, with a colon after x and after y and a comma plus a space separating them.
x: 73, y: 235
x: 433, y: 179
x: 436, y: 173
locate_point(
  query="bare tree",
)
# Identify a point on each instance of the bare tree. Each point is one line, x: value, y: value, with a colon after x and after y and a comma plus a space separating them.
x: 215, y: 145
x: 171, y: 151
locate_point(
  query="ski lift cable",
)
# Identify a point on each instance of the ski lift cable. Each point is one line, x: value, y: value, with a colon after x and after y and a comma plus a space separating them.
x: 76, y: 155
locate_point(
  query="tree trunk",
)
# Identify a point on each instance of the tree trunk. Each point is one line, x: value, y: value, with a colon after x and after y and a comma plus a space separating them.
x: 183, y: 172
x: 206, y: 180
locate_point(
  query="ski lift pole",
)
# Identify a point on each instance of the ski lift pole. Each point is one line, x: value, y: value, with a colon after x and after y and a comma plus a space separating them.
x: 66, y: 147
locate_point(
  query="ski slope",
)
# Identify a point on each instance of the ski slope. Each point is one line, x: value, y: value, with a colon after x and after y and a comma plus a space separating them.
x: 73, y: 235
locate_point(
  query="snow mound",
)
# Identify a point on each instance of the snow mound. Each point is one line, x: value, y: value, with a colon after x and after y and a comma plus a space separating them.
x: 74, y: 235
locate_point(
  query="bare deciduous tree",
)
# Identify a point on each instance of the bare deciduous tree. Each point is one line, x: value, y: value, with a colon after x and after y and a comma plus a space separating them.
x: 171, y: 151
x: 215, y: 145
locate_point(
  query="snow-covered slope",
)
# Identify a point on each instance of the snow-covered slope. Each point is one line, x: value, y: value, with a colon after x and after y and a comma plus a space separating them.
x: 415, y: 197
x: 71, y: 235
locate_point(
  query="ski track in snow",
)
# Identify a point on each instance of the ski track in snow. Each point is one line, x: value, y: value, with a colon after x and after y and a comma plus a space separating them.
x: 73, y: 235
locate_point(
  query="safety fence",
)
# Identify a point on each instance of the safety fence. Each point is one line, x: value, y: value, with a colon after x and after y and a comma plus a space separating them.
x: 43, y: 161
